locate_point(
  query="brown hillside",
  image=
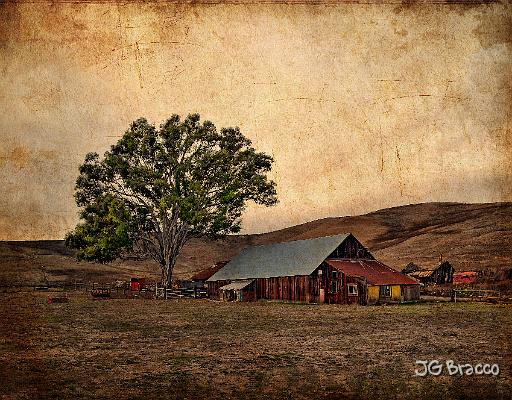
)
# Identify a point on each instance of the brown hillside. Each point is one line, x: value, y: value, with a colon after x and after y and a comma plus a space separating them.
x: 470, y: 236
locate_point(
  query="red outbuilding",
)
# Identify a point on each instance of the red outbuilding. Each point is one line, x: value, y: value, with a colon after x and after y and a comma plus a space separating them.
x: 137, y: 284
x: 461, y: 278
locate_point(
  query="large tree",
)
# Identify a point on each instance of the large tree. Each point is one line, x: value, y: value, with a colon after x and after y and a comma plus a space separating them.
x: 157, y: 188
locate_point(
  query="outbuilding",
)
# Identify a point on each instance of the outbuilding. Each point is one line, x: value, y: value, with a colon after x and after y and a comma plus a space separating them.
x: 464, y: 278
x: 441, y: 275
x: 333, y: 269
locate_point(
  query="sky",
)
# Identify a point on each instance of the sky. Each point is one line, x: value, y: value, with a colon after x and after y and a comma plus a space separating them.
x: 362, y: 106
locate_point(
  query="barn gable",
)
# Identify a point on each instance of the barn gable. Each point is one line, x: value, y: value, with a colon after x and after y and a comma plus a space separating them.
x: 296, y: 258
x: 351, y: 249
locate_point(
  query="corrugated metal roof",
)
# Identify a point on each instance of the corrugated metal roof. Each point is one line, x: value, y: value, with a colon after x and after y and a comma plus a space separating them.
x: 465, y: 273
x: 237, y: 285
x: 375, y: 272
x: 426, y: 273
x: 299, y: 257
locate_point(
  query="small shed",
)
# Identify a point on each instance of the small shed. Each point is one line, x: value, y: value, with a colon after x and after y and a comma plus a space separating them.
x: 441, y: 275
x: 238, y: 291
x: 137, y: 284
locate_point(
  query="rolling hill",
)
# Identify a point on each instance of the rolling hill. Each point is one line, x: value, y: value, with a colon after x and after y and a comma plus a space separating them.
x: 470, y: 236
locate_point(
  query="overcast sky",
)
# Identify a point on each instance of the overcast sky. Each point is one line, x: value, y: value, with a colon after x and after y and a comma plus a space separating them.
x: 362, y: 106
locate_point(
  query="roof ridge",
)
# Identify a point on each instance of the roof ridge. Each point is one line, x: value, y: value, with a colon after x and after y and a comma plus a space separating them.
x: 300, y: 240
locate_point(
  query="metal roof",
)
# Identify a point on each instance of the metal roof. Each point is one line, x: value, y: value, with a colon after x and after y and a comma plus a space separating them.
x: 375, y: 272
x: 299, y: 257
x: 425, y: 273
x: 465, y: 273
x: 237, y: 285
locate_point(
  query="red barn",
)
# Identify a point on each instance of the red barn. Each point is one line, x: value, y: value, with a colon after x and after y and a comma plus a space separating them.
x: 332, y: 269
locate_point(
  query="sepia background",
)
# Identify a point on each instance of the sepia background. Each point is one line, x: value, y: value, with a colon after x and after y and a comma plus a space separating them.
x: 363, y: 106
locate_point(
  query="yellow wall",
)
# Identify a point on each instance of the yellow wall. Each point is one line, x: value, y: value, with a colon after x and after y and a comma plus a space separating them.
x: 373, y: 294
x: 395, y: 292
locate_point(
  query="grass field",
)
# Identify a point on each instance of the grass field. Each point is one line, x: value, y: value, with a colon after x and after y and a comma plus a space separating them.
x: 204, y: 349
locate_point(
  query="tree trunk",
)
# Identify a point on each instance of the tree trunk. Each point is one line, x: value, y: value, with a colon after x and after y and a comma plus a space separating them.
x: 166, y: 280
x: 167, y: 270
x: 171, y: 245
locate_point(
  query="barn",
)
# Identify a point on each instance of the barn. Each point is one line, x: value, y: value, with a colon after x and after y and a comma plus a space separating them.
x: 442, y: 274
x: 333, y: 269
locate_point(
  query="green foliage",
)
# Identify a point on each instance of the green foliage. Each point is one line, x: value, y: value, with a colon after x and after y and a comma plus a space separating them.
x: 104, y: 233
x: 156, y: 188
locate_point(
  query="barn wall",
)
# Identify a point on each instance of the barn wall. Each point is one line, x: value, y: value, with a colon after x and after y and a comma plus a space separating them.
x: 362, y: 290
x: 306, y: 289
x: 325, y: 284
x: 335, y: 285
x: 399, y: 293
x: 286, y: 288
x: 411, y: 292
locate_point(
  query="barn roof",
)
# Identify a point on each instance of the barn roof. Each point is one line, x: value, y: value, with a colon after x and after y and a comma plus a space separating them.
x: 375, y: 272
x: 206, y: 273
x: 299, y: 257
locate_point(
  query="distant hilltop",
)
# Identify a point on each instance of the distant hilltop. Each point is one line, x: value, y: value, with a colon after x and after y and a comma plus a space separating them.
x: 470, y: 236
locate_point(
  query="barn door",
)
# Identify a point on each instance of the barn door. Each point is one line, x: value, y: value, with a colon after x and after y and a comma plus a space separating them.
x: 322, y: 296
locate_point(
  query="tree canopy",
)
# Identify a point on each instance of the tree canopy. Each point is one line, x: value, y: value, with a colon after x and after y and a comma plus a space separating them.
x: 157, y: 188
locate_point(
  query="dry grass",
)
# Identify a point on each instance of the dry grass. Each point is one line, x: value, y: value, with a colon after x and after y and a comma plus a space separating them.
x: 205, y: 349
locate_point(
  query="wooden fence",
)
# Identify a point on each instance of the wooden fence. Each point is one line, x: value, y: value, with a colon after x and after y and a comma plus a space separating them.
x: 123, y: 289
x: 182, y: 293
x: 475, y: 294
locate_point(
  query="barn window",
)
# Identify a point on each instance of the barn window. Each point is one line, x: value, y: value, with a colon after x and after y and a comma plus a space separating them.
x: 352, y: 289
x: 334, y: 274
x: 385, y: 291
